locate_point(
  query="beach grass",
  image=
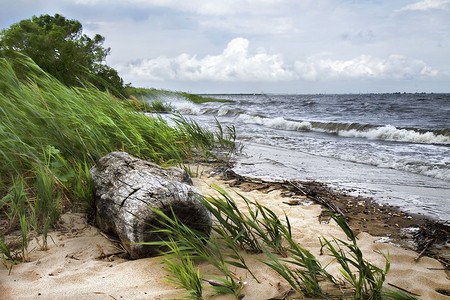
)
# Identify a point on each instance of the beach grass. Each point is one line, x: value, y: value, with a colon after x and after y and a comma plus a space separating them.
x: 51, y: 135
x: 183, y: 271
x: 368, y: 279
x: 248, y: 230
x: 182, y: 245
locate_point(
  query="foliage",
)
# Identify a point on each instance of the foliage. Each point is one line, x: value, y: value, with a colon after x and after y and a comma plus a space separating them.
x: 6, y: 254
x: 51, y: 135
x: 184, y: 273
x: 256, y: 231
x: 252, y: 231
x: 159, y: 106
x: 183, y: 244
x: 232, y: 221
x: 397, y: 295
x: 369, y: 279
x: 60, y: 48
x: 17, y: 198
x: 144, y: 93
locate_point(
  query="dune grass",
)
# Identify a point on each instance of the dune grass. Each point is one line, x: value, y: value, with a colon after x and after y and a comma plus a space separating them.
x: 182, y: 246
x: 256, y: 229
x: 368, y: 279
x: 51, y: 135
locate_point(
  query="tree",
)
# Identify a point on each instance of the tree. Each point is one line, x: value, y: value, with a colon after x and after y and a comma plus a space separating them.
x: 60, y: 48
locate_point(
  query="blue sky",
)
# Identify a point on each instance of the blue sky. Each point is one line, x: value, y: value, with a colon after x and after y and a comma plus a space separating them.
x: 272, y: 46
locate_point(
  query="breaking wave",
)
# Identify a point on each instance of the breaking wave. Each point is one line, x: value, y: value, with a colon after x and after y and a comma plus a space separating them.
x: 392, y: 133
x: 186, y: 107
x: 354, y: 130
x: 276, y: 123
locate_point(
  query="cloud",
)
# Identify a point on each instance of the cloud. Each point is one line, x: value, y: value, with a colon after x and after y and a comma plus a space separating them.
x: 363, y: 67
x: 427, y: 5
x: 233, y: 64
x: 236, y: 64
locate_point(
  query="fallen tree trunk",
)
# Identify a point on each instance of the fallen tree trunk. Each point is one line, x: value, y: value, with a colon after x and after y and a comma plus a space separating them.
x: 125, y: 189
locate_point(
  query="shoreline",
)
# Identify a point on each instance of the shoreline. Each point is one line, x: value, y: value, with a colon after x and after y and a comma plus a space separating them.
x: 419, y: 233
x: 414, y: 193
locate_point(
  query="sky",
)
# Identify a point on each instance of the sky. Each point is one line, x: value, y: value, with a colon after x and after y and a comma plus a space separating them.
x: 269, y: 46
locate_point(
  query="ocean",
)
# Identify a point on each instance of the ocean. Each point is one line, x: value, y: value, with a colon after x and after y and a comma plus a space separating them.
x: 394, y: 148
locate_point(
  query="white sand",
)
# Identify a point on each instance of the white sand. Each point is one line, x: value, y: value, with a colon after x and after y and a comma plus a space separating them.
x: 71, y: 269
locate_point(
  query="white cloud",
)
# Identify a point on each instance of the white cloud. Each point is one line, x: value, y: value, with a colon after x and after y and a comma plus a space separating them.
x: 363, y: 67
x: 236, y: 64
x: 427, y: 4
x: 233, y: 64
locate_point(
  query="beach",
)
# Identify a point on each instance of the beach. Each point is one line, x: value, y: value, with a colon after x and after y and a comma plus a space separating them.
x: 316, y: 135
x: 83, y: 263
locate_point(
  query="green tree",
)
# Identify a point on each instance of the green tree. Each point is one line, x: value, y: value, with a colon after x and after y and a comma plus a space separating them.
x: 60, y: 48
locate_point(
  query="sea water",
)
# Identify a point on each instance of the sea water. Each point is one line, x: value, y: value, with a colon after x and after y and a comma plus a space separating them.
x: 394, y: 148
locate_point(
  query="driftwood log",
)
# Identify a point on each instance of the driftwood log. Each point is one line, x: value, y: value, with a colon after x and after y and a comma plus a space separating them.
x: 125, y: 189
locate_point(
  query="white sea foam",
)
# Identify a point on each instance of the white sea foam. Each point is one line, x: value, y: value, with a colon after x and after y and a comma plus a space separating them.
x: 223, y: 112
x: 186, y: 107
x: 391, y: 133
x: 276, y: 123
x: 438, y: 169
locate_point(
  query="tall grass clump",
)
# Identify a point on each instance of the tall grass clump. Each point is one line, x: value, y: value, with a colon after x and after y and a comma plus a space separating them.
x: 184, y: 272
x: 231, y: 221
x: 17, y: 199
x: 303, y: 274
x: 367, y: 281
x: 252, y: 229
x: 183, y: 246
x: 51, y: 135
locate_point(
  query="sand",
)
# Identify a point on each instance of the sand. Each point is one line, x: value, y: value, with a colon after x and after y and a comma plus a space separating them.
x: 78, y: 264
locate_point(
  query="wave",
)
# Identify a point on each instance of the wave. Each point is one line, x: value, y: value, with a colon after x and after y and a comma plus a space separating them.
x: 276, y: 123
x: 392, y: 133
x: 229, y: 112
x: 186, y: 107
x: 354, y: 130
x: 385, y: 133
